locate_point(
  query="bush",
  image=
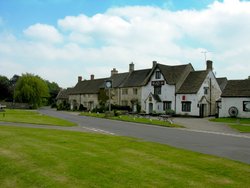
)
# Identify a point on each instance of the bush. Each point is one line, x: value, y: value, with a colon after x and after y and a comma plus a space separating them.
x: 82, y: 108
x: 170, y: 112
x: 63, y: 106
x: 118, y: 107
x: 53, y: 105
x: 101, y: 109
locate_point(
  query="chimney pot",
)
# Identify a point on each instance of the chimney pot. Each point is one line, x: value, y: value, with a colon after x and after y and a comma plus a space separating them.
x: 154, y: 63
x: 131, y: 67
x: 92, y: 77
x: 114, y: 71
x: 209, y: 65
x: 79, y: 78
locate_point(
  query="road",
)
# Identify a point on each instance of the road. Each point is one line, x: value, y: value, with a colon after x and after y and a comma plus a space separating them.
x: 231, y: 146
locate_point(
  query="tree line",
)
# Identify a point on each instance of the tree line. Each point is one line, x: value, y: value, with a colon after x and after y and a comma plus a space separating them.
x: 28, y: 88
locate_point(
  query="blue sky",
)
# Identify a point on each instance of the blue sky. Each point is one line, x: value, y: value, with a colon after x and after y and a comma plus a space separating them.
x: 61, y: 39
x: 19, y: 14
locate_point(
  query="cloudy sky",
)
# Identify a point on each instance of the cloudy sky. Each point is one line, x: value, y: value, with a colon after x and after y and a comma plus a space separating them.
x: 62, y: 39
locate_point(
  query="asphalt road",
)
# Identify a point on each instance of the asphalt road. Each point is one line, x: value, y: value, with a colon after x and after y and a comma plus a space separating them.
x: 230, y: 146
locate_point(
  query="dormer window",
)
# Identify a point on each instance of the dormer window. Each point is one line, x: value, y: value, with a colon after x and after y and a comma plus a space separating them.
x: 157, y: 75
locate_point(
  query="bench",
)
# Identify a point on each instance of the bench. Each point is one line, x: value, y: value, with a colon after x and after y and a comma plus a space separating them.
x: 167, y: 118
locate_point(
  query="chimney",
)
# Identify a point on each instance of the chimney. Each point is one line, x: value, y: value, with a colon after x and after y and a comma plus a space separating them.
x: 92, y: 77
x: 209, y: 65
x: 114, y: 71
x: 79, y: 78
x: 154, y: 63
x: 131, y: 67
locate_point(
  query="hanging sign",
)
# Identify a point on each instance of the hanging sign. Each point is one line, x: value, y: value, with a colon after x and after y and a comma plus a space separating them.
x: 158, y: 83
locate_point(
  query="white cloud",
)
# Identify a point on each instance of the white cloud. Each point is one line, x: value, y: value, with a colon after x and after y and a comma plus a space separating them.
x: 43, y: 32
x: 83, y: 45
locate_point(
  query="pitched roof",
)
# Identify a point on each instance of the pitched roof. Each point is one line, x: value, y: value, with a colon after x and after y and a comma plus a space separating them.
x: 222, y: 82
x: 118, y: 79
x: 64, y: 93
x: 136, y: 78
x: 172, y: 73
x: 193, y: 82
x: 88, y: 86
x: 237, y: 88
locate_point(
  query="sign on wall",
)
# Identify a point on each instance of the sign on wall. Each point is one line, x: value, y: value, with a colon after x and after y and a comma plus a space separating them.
x: 158, y: 83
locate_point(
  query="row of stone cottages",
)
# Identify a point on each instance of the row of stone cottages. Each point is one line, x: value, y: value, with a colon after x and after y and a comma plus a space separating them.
x: 162, y: 87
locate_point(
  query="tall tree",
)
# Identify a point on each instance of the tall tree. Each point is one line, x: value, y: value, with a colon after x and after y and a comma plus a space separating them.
x: 53, y: 91
x: 31, y: 89
x: 4, y: 88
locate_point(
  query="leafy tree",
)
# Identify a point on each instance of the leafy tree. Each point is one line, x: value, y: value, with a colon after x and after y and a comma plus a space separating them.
x: 4, y: 88
x: 102, y: 97
x: 53, y: 91
x: 13, y: 82
x: 31, y: 89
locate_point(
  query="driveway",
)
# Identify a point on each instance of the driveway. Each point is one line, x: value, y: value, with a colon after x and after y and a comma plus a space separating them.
x: 203, y: 124
x: 232, y: 146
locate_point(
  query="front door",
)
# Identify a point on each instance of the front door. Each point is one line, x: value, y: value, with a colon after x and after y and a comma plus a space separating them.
x: 150, y: 108
x: 202, y: 110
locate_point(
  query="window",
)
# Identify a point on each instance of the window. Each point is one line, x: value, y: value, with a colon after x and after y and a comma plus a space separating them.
x: 246, y: 106
x: 135, y: 91
x: 124, y: 103
x: 205, y: 90
x: 167, y: 105
x: 157, y: 90
x: 124, y: 91
x: 157, y: 75
x: 186, y: 106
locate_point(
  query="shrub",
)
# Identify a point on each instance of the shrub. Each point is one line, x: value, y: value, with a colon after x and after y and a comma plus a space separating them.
x: 170, y: 112
x: 82, y: 108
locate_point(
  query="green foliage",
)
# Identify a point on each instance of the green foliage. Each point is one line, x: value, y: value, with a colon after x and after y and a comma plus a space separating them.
x: 170, y: 112
x: 53, y: 91
x: 82, y: 108
x: 102, y: 97
x: 4, y: 88
x: 63, y: 106
x: 31, y: 89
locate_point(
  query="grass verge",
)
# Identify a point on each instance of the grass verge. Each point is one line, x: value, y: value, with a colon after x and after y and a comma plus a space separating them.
x: 240, y: 124
x: 133, y: 119
x: 53, y: 158
x: 33, y: 117
x: 241, y: 128
x: 232, y: 120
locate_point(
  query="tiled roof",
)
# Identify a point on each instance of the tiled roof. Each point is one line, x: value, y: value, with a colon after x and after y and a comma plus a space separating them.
x: 222, y: 82
x: 136, y: 78
x: 172, y: 73
x: 118, y: 79
x: 88, y: 86
x: 64, y: 93
x: 193, y: 82
x: 237, y: 88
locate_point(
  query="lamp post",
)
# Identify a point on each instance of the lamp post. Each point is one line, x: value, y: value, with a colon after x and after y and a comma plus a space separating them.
x: 108, y: 85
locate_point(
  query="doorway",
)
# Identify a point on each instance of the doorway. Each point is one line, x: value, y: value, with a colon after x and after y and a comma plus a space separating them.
x: 150, y: 108
x: 202, y: 110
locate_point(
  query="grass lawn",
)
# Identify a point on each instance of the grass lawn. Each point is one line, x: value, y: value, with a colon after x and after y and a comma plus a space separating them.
x: 53, y: 158
x: 241, y: 128
x: 32, y: 116
x: 240, y: 124
x: 232, y: 120
x: 133, y: 119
